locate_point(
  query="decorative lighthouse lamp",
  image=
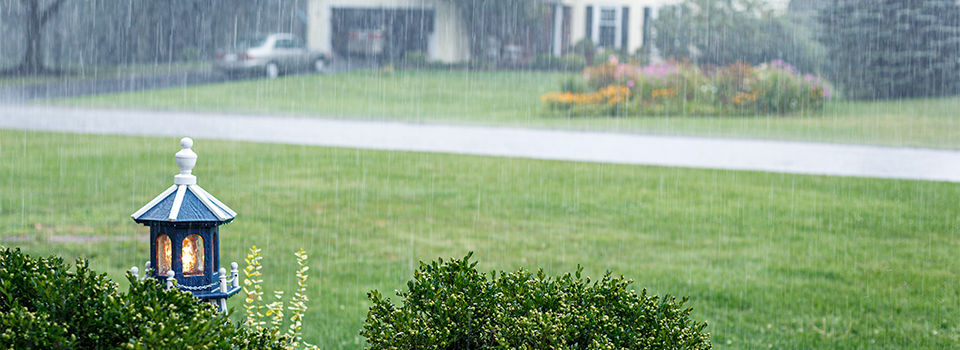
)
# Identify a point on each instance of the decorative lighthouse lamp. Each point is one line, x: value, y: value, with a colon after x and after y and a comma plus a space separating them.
x: 184, y: 226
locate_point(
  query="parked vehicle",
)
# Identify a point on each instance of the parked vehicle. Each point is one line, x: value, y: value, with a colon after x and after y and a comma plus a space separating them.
x: 366, y: 42
x: 270, y: 55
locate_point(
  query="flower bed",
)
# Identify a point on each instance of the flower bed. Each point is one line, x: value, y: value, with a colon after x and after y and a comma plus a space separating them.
x: 673, y: 87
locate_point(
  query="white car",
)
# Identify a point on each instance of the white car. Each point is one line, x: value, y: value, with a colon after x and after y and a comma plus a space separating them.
x: 270, y: 55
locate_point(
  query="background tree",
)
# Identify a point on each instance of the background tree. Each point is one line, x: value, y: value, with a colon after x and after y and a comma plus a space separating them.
x: 722, y: 32
x: 893, y: 48
x: 36, y: 14
x: 85, y: 33
x: 494, y: 25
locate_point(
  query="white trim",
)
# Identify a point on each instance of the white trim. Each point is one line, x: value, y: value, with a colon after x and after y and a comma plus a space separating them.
x: 206, y: 201
x: 153, y: 202
x: 618, y: 35
x: 217, y: 202
x: 177, y: 202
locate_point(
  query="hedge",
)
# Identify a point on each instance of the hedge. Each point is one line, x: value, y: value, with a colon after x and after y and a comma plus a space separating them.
x: 450, y: 305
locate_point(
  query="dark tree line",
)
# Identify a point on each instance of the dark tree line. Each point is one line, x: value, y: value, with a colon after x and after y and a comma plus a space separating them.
x: 36, y: 14
x: 893, y: 48
x: 66, y: 34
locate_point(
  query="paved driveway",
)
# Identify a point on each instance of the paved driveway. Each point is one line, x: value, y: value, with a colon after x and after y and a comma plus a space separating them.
x: 24, y: 93
x: 774, y: 156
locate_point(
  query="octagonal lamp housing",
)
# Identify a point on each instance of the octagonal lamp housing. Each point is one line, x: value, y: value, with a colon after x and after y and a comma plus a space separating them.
x: 184, y: 223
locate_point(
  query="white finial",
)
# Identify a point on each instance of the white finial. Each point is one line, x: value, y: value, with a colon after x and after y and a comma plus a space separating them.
x: 186, y: 159
x: 170, y: 280
x: 234, y: 275
x: 223, y: 280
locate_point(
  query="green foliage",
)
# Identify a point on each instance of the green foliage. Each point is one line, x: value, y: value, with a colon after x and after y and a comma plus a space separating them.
x: 893, y: 49
x: 586, y: 49
x: 723, y: 32
x: 568, y: 62
x: 450, y: 305
x: 496, y: 24
x: 575, y: 85
x: 45, y: 305
x: 415, y: 58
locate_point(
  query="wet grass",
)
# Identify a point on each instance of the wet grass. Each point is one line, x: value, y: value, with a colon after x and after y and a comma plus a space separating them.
x: 513, y: 99
x: 769, y: 260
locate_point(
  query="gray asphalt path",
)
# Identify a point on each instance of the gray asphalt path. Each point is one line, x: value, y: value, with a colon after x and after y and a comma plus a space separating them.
x: 81, y: 87
x: 12, y: 94
x: 736, y: 154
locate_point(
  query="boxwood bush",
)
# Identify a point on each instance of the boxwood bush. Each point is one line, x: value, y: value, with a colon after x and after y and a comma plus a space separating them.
x: 450, y: 305
x: 45, y: 305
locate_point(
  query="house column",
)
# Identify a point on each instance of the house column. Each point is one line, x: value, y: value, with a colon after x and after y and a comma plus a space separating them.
x: 319, y: 30
x: 558, y: 29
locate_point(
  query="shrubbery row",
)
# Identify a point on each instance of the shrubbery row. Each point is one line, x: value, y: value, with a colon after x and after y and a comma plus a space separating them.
x: 674, y: 87
x: 46, y: 305
x: 450, y: 305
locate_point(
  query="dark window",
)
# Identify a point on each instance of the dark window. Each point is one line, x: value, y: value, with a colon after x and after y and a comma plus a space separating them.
x: 608, y: 15
x: 287, y: 44
x: 250, y: 42
x: 589, y: 31
x: 608, y: 36
x: 608, y: 27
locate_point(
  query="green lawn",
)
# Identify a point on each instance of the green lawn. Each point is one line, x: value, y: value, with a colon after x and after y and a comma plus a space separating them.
x: 769, y: 260
x: 513, y: 99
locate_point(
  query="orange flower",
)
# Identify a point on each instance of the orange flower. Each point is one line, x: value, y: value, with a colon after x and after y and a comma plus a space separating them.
x: 611, y: 95
x: 665, y: 93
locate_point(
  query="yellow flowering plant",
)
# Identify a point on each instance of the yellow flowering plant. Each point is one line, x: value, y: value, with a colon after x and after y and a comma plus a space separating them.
x: 257, y: 312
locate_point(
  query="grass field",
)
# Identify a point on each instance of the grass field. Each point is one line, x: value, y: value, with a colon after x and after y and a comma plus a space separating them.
x: 513, y: 99
x: 769, y: 260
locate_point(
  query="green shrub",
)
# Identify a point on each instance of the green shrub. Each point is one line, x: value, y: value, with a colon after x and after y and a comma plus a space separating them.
x: 585, y: 48
x: 45, y: 305
x: 546, y: 61
x: 681, y: 88
x: 415, y: 58
x: 575, y: 85
x: 571, y: 62
x: 450, y: 305
x: 568, y: 62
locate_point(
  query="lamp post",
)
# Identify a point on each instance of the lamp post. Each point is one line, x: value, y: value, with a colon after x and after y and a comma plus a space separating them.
x: 184, y: 223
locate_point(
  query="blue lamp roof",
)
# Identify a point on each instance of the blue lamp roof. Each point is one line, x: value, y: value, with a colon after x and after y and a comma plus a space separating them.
x: 185, y: 201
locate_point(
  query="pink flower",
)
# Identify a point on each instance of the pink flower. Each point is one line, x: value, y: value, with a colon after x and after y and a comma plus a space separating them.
x: 619, y: 72
x: 783, y: 65
x: 630, y: 83
x: 659, y: 71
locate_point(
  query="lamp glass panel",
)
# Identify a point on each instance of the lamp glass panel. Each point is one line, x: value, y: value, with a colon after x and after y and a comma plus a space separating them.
x: 192, y: 255
x: 164, y: 254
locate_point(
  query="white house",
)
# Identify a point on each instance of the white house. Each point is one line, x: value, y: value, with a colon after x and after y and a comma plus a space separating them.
x: 432, y: 26
x: 435, y: 26
x: 620, y: 24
